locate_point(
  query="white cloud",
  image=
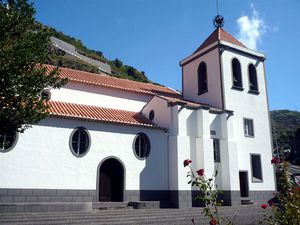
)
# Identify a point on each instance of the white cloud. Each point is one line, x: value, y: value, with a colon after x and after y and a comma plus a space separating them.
x: 251, y: 29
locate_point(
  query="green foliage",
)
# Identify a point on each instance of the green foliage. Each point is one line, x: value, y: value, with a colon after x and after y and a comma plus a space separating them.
x: 286, y: 209
x: 118, y: 63
x: 24, y: 46
x: 285, y: 123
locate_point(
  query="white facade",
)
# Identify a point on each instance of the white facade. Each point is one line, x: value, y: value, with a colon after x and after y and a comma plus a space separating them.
x: 102, y: 97
x: 186, y: 129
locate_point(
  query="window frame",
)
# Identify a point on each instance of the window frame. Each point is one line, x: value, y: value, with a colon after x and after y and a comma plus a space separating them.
x: 148, y: 150
x: 202, y: 77
x: 252, y: 76
x: 244, y: 125
x: 254, y: 179
x: 233, y: 73
x: 71, y: 142
x: 16, y: 138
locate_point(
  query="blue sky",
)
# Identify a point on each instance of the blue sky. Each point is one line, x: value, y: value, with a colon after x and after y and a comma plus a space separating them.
x: 154, y: 35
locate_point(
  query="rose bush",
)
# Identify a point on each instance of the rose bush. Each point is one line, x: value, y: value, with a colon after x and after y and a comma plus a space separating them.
x: 208, y: 194
x: 286, y: 202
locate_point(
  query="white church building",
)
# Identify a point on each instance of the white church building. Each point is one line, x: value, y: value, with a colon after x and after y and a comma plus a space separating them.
x: 115, y: 140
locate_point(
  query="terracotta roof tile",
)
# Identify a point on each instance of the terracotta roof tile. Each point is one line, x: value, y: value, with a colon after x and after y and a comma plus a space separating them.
x: 113, y: 82
x: 219, y: 34
x: 86, y: 112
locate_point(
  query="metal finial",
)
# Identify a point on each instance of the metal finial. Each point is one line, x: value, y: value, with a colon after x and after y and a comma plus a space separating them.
x: 218, y: 20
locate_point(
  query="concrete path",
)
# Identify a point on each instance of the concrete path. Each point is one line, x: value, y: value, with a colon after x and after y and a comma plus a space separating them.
x: 244, y: 215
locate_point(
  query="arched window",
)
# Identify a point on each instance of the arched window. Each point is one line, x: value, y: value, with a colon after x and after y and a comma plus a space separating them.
x: 236, y: 74
x: 141, y: 146
x: 202, y: 78
x: 253, y: 86
x: 79, y: 142
x: 7, y: 141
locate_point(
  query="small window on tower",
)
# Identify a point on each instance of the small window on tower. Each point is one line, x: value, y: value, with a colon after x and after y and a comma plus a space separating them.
x: 248, y: 127
x: 253, y: 86
x: 216, y: 146
x: 236, y: 75
x: 202, y: 78
x: 256, y: 168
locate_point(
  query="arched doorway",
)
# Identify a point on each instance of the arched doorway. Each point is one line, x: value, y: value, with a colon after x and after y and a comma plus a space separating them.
x: 111, y: 181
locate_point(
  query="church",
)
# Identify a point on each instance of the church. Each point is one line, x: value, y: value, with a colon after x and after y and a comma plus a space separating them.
x: 115, y: 140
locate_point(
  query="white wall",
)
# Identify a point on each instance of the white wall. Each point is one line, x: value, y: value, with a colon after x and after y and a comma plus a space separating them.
x: 246, y: 105
x: 99, y: 96
x: 42, y: 157
x: 162, y: 112
x: 190, y: 80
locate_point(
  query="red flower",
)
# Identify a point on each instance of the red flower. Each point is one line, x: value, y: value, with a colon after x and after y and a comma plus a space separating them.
x: 270, y: 203
x: 275, y: 160
x: 200, y: 172
x: 264, y: 206
x: 186, y: 162
x: 213, y: 222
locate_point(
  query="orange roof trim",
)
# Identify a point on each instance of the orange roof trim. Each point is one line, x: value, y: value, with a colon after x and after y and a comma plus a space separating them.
x: 113, y: 82
x: 94, y: 113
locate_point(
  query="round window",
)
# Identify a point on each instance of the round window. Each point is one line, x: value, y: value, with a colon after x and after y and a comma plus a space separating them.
x: 151, y: 115
x: 45, y: 95
x: 80, y: 142
x: 141, y: 146
x: 8, y: 141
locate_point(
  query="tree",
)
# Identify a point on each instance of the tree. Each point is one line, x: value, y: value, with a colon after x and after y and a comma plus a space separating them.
x: 118, y: 63
x: 23, y: 50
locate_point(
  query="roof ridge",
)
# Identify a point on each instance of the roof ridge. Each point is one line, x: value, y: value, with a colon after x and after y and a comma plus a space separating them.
x: 233, y: 39
x: 219, y: 34
x: 108, y: 76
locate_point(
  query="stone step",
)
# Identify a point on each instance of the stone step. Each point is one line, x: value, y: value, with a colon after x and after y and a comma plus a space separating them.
x: 247, y: 202
x: 110, y: 205
x: 45, y: 207
x: 131, y: 216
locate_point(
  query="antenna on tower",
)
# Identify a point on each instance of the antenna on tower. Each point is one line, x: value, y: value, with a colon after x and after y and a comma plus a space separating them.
x: 218, y: 20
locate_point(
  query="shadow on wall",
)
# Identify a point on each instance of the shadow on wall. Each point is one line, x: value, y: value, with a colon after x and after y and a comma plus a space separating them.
x: 154, y: 178
x: 91, y: 126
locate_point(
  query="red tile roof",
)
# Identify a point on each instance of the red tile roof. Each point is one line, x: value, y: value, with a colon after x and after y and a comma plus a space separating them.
x: 219, y: 34
x: 93, y: 113
x: 105, y: 81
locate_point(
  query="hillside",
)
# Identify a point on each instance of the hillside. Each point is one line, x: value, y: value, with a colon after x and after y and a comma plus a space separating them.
x: 286, y: 123
x: 61, y: 58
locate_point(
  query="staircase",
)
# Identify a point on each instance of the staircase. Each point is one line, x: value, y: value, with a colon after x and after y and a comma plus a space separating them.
x: 244, y: 215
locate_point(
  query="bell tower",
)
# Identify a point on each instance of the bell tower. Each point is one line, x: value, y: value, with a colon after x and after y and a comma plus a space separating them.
x: 222, y: 64
x: 225, y: 74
